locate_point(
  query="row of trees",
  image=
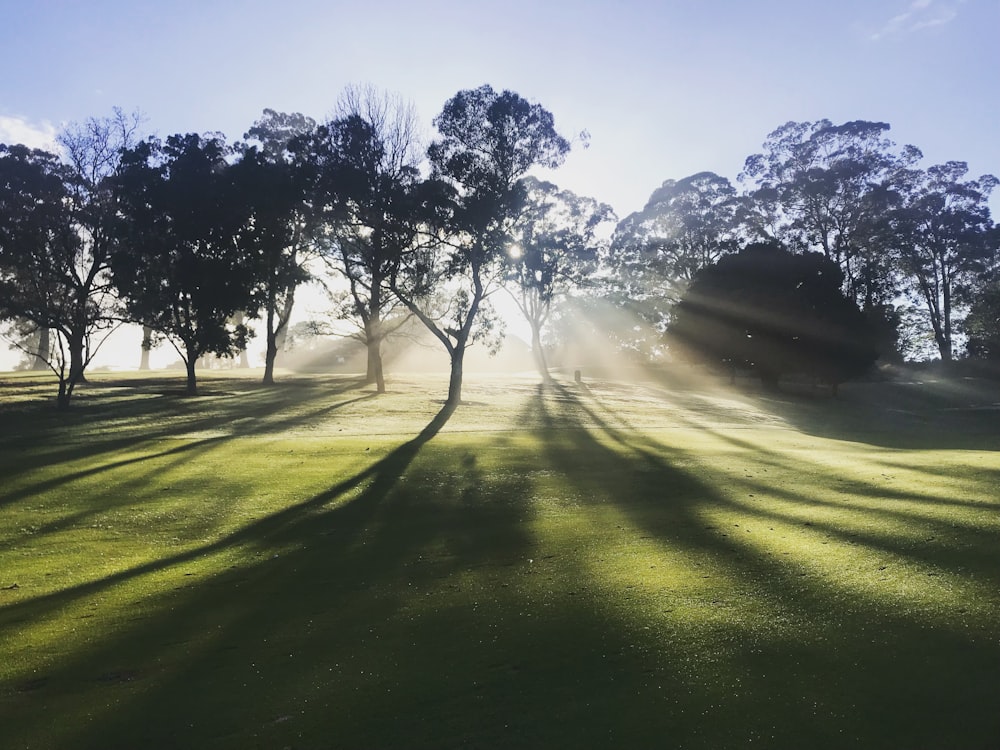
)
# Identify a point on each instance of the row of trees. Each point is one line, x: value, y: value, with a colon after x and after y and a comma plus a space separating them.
x: 899, y: 234
x: 193, y: 237
x: 185, y: 235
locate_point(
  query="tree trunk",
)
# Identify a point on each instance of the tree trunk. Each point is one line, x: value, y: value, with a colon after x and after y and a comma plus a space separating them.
x: 946, y: 351
x: 279, y: 343
x: 147, y: 344
x: 271, y: 350
x: 538, y: 352
x: 373, y: 342
x: 270, y: 354
x: 41, y: 359
x: 76, y: 363
x: 455, y: 381
x: 192, y: 381
x: 374, y: 373
x: 276, y: 333
x: 62, y: 400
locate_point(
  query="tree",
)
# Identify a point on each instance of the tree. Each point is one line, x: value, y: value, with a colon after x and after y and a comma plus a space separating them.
x: 53, y: 271
x: 366, y: 174
x: 947, y: 240
x: 281, y: 233
x: 775, y: 312
x: 179, y: 266
x: 555, y: 248
x: 93, y: 150
x: 825, y: 187
x: 146, y: 346
x: 685, y: 225
x: 982, y: 324
x: 488, y: 142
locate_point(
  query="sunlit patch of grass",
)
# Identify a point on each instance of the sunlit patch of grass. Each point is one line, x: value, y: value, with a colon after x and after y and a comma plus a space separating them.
x: 606, y: 564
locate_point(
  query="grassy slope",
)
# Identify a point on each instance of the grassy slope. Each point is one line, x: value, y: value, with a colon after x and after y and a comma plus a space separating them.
x: 608, y: 565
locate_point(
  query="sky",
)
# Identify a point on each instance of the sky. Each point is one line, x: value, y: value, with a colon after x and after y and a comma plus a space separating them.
x: 665, y: 89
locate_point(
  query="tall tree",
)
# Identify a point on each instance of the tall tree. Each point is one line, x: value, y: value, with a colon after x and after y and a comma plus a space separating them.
x: 686, y: 224
x: 180, y: 268
x: 49, y: 272
x: 556, y: 245
x: 487, y: 142
x: 282, y: 232
x: 825, y: 187
x: 366, y: 174
x: 93, y: 150
x: 775, y: 312
x: 947, y: 240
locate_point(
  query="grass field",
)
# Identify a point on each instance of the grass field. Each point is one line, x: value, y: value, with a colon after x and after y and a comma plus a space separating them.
x: 607, y: 564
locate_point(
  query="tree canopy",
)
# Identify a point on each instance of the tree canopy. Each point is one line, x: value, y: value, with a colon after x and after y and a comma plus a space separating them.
x: 182, y: 235
x: 776, y: 313
x: 488, y: 142
x: 365, y: 181
x: 180, y: 268
x: 556, y: 247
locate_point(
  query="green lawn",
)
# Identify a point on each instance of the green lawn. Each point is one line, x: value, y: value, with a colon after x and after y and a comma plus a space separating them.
x: 602, y: 565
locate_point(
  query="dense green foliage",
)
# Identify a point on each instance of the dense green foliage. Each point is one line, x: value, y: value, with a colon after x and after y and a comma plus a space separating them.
x: 776, y: 313
x: 180, y: 267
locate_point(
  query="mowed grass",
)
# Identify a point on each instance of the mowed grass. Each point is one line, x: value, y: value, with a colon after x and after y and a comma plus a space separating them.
x: 612, y: 564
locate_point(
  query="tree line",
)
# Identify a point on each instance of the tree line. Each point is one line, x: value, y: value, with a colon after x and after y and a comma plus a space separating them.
x: 192, y: 236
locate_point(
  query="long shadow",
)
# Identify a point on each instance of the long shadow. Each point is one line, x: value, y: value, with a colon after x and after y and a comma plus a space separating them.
x: 106, y: 420
x: 257, y: 654
x: 839, y: 651
x: 381, y: 475
x: 975, y: 556
x: 257, y: 412
x: 956, y: 413
x: 412, y: 605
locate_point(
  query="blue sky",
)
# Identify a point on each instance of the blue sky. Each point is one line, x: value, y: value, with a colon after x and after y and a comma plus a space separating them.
x: 665, y: 88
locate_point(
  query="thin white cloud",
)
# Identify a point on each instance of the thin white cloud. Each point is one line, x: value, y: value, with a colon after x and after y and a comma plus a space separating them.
x: 34, y: 135
x: 920, y: 14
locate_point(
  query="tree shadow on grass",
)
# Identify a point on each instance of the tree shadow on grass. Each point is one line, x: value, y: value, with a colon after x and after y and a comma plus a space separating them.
x: 900, y: 413
x: 387, y: 611
x: 794, y: 656
x: 142, y: 425
x: 434, y: 600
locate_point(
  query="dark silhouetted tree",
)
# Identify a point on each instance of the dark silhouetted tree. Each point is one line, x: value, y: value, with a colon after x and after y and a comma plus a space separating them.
x: 276, y: 240
x: 556, y: 247
x: 685, y: 225
x: 179, y: 267
x: 282, y: 233
x: 775, y: 312
x: 366, y: 171
x: 946, y: 242
x: 831, y: 188
x: 487, y: 142
x: 53, y: 263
